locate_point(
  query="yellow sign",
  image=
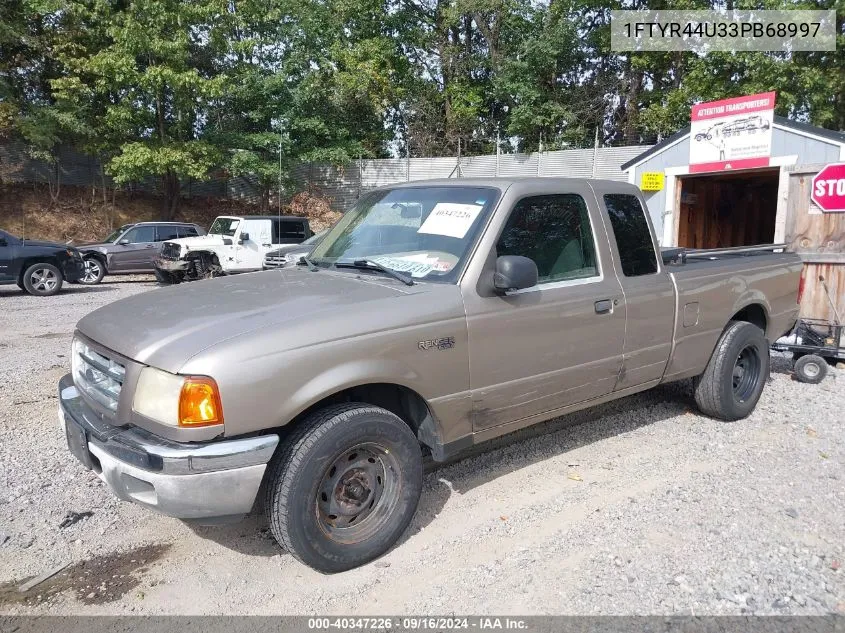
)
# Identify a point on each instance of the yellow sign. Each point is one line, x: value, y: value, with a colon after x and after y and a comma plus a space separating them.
x: 652, y: 181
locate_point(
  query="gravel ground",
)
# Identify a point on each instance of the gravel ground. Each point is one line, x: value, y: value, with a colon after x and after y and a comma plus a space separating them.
x: 640, y: 506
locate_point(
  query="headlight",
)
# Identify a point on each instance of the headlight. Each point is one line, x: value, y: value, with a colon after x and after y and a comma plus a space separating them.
x: 185, y: 401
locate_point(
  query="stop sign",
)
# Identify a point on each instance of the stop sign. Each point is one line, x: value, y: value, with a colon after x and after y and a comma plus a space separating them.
x: 829, y: 188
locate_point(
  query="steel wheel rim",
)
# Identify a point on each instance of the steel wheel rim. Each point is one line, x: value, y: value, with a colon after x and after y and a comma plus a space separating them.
x: 812, y: 369
x: 358, y: 492
x: 43, y: 279
x: 746, y: 374
x: 92, y: 270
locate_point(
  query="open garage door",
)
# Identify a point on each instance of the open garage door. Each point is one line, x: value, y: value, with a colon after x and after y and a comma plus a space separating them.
x: 722, y: 210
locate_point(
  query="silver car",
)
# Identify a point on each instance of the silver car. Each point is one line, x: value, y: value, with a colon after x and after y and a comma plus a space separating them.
x: 289, y: 254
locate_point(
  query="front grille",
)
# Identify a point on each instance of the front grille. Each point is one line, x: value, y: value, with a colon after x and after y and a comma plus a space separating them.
x: 96, y: 375
x: 169, y: 250
x: 275, y: 261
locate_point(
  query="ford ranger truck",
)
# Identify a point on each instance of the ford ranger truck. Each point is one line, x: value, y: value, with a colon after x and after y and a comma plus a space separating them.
x: 433, y: 316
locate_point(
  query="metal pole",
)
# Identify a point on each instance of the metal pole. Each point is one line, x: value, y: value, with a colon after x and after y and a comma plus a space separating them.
x: 279, y: 194
x: 497, y: 151
x: 595, y: 151
x: 540, y: 154
x: 458, y: 165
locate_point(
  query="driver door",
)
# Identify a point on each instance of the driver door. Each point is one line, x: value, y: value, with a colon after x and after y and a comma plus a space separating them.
x: 541, y: 349
x: 133, y: 250
x: 254, y: 238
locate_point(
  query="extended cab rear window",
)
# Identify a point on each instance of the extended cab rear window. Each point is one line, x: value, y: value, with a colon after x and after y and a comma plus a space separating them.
x: 633, y: 238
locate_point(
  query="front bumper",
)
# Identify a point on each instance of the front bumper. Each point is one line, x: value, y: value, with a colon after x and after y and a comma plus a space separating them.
x: 209, y: 481
x: 170, y: 265
x: 73, y: 270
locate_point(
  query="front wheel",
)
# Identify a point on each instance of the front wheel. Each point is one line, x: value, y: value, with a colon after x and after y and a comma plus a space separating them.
x: 344, y: 486
x: 810, y: 368
x: 734, y: 378
x: 42, y: 280
x: 95, y: 270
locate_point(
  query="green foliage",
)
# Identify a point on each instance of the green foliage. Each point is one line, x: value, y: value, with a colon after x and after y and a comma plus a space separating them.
x: 181, y: 90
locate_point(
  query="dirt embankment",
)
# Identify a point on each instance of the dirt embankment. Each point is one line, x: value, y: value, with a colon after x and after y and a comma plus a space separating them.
x: 84, y: 214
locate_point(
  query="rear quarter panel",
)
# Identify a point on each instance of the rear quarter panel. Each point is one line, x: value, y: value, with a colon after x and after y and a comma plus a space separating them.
x: 710, y: 293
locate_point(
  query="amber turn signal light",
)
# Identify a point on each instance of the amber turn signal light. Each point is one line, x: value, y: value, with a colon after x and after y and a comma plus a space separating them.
x: 199, y: 402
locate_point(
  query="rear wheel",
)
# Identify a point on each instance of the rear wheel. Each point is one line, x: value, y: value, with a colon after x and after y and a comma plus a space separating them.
x: 811, y: 369
x: 42, y: 280
x: 343, y: 488
x: 95, y: 270
x: 734, y: 378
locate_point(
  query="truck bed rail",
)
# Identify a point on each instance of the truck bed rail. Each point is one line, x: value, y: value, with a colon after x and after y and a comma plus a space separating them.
x: 681, y: 255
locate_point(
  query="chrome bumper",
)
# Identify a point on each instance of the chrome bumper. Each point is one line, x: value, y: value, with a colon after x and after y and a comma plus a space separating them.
x: 211, y: 481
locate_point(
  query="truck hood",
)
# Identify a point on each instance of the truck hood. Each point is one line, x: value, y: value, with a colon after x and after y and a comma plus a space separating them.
x: 90, y: 246
x: 199, y: 242
x: 166, y: 327
x: 43, y: 243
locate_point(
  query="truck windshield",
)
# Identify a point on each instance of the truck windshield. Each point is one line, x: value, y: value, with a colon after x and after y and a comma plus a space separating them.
x: 424, y: 232
x: 224, y: 226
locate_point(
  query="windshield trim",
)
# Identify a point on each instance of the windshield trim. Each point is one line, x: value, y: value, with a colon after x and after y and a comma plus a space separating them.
x: 457, y: 274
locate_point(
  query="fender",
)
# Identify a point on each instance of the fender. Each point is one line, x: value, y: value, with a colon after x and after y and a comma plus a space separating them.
x: 359, y: 373
x: 350, y: 374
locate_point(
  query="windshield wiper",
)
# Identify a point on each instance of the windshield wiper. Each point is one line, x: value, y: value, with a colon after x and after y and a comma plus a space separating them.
x: 303, y: 259
x: 371, y: 264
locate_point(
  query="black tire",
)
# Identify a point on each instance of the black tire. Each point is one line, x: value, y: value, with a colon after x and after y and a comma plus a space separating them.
x: 810, y: 369
x: 166, y: 277
x: 95, y: 270
x: 42, y: 280
x: 734, y: 378
x: 342, y: 460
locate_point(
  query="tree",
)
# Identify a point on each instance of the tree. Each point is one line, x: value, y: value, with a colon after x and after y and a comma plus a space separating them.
x: 152, y: 77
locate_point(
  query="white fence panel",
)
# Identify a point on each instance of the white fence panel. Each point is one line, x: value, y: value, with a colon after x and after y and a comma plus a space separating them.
x: 610, y: 159
x: 569, y: 163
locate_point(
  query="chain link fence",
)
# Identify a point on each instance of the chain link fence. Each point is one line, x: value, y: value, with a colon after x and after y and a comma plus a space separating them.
x: 339, y: 185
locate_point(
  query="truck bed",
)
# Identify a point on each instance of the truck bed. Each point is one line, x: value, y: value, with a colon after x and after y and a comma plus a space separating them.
x: 713, y: 286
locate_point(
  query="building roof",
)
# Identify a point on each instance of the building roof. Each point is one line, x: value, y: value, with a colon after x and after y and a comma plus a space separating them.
x: 800, y: 128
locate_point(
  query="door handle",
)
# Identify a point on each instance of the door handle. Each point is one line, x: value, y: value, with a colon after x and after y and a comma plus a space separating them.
x: 604, y: 306
x: 150, y: 246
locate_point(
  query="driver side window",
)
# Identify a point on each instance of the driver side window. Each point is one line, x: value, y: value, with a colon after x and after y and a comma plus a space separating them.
x: 554, y: 231
x: 140, y: 235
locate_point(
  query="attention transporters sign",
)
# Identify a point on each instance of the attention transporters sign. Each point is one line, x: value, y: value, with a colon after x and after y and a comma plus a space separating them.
x: 732, y: 133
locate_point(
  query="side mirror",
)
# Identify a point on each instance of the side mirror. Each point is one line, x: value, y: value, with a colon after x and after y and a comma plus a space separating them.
x: 227, y: 241
x: 123, y: 242
x: 243, y: 238
x: 514, y: 272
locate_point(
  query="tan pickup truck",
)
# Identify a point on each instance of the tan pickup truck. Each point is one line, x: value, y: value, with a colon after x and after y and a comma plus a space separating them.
x: 434, y: 316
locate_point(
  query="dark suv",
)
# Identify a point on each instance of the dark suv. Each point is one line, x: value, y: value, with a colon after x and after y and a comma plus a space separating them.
x: 132, y: 248
x: 37, y: 267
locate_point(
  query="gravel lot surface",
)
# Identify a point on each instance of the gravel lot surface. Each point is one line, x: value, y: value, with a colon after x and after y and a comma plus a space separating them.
x: 640, y: 506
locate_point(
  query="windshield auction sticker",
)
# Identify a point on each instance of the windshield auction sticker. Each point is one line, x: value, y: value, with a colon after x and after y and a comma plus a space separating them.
x: 414, y: 265
x: 450, y: 219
